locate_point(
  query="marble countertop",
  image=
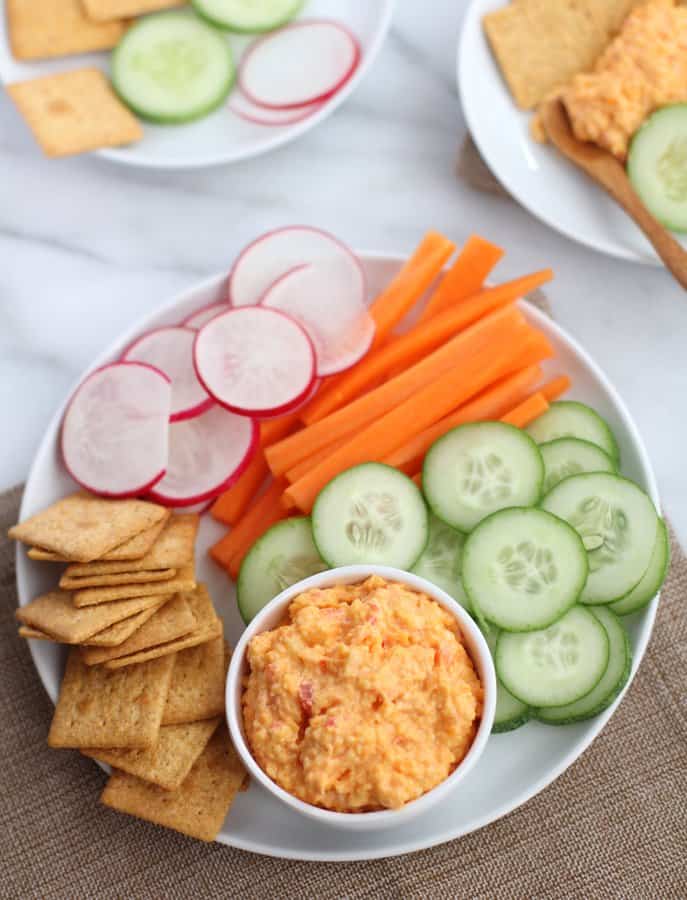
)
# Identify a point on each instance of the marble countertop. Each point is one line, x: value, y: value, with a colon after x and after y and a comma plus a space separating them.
x: 86, y: 246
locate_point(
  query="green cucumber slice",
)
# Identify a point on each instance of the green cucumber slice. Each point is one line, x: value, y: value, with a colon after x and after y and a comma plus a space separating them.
x: 441, y: 560
x: 370, y: 513
x: 556, y: 665
x: 657, y: 165
x: 572, y: 456
x: 523, y: 568
x: 617, y: 523
x: 510, y: 712
x: 477, y: 469
x: 284, y: 555
x: 650, y: 583
x: 609, y: 686
x: 568, y: 418
x: 248, y: 16
x: 172, y: 67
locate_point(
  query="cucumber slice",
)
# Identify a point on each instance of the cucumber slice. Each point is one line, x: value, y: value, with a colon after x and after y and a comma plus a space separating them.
x: 556, y: 665
x: 572, y: 456
x: 172, y: 67
x: 371, y: 513
x: 523, y: 568
x: 568, y: 418
x: 477, y: 469
x: 282, y: 556
x: 657, y: 165
x: 441, y: 560
x: 611, y: 683
x: 248, y: 16
x: 510, y: 713
x: 617, y: 523
x: 650, y: 583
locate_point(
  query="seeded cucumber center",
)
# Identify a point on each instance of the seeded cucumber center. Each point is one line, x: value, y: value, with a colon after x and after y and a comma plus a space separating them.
x: 557, y: 473
x: 555, y: 650
x: 526, y: 567
x: 604, y: 529
x: 672, y: 170
x: 373, y: 518
x: 172, y: 63
x: 286, y: 571
x: 483, y: 479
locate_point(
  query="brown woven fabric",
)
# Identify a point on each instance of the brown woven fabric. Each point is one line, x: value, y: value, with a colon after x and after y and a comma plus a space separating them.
x: 614, y: 826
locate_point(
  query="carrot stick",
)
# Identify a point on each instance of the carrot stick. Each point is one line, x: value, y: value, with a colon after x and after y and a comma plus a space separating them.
x: 264, y: 512
x: 466, y: 276
x: 285, y: 454
x: 490, y: 404
x: 417, y: 478
x: 527, y: 411
x: 422, y: 409
x: 231, y: 505
x: 273, y: 430
x: 304, y: 466
x: 554, y: 388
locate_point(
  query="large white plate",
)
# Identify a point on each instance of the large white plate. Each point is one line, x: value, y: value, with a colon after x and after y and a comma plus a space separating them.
x: 539, y: 178
x: 224, y: 137
x: 514, y: 766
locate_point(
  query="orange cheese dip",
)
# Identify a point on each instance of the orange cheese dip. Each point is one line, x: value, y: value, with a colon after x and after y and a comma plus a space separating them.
x: 365, y: 698
x: 642, y: 69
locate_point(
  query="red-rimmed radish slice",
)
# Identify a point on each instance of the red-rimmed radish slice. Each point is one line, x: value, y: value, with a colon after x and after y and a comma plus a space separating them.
x: 255, y: 361
x: 302, y: 63
x: 273, y: 254
x: 115, y: 431
x: 325, y: 298
x: 170, y: 350
x: 206, y: 455
x: 261, y: 115
x: 201, y: 316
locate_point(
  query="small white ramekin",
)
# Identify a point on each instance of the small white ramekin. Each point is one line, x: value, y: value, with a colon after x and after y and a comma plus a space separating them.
x: 273, y: 614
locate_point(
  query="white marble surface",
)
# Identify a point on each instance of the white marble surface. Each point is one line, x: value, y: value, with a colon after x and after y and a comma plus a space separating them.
x: 86, y: 247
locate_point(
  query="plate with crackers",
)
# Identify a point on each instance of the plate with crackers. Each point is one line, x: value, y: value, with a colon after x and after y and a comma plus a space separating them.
x: 619, y: 68
x: 168, y: 85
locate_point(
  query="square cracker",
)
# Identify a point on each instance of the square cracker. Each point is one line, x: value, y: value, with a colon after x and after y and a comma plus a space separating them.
x: 184, y: 580
x: 198, y: 681
x: 118, y: 633
x: 207, y: 626
x: 133, y: 549
x: 98, y: 708
x: 172, y: 621
x: 54, y: 614
x: 82, y: 527
x: 107, y: 10
x: 167, y: 763
x: 86, y: 581
x: 40, y: 29
x: 198, y: 808
x: 74, y: 112
x: 173, y: 549
x: 26, y: 632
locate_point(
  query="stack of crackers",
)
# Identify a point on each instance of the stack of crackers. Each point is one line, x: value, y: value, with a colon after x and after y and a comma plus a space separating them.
x: 144, y: 684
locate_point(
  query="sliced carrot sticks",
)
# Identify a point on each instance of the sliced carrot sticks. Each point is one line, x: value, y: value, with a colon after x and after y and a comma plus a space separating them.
x: 304, y: 466
x: 284, y: 455
x: 232, y: 504
x: 273, y: 430
x: 466, y: 276
x: 527, y: 411
x: 554, y: 388
x: 264, y: 512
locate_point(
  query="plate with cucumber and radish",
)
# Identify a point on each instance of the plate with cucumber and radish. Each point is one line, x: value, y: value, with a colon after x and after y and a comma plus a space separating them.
x: 218, y: 81
x: 340, y: 407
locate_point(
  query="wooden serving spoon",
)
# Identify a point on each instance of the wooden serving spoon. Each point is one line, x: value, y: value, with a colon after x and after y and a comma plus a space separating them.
x: 605, y: 169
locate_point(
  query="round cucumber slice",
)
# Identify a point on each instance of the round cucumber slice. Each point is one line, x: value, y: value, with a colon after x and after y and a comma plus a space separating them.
x: 248, y: 16
x: 284, y: 555
x: 172, y: 67
x: 609, y: 686
x: 441, y: 560
x: 657, y: 165
x: 559, y: 664
x: 650, y: 583
x: 477, y: 469
x: 523, y: 568
x: 510, y: 713
x: 568, y: 418
x: 617, y: 523
x: 370, y: 513
x: 571, y: 456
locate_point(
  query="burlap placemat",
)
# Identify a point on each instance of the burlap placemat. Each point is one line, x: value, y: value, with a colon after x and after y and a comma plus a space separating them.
x: 613, y: 826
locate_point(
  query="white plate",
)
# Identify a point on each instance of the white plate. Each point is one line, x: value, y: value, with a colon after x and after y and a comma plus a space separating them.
x: 223, y: 137
x: 537, y: 176
x: 513, y: 768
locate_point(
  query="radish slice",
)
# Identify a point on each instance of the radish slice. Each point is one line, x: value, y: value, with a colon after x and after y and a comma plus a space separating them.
x: 201, y: 316
x: 255, y: 361
x: 206, y: 455
x: 260, y: 115
x: 325, y: 298
x: 171, y: 351
x: 115, y: 430
x: 302, y: 63
x: 317, y: 383
x: 277, y: 252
